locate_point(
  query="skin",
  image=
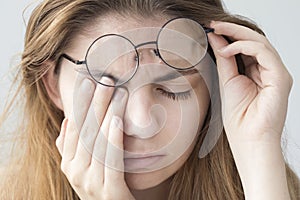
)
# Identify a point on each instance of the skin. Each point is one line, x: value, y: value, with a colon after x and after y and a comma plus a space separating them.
x: 254, y: 111
x: 94, y: 167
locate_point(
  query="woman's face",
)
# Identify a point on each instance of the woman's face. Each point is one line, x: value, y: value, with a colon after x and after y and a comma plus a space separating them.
x: 162, y: 117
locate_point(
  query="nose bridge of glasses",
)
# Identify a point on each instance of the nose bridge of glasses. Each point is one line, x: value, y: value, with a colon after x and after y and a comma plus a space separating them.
x: 147, y: 51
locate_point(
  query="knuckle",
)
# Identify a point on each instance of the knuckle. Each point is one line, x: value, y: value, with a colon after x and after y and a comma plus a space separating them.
x: 89, y: 189
x: 262, y: 45
x: 75, y: 179
x: 57, y: 142
x: 286, y: 79
x: 64, y: 167
x: 86, y: 182
x: 290, y: 80
x: 263, y: 38
x: 93, y: 186
x: 74, y: 176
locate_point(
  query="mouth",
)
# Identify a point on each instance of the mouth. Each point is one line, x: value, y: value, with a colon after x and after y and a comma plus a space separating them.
x: 142, y: 162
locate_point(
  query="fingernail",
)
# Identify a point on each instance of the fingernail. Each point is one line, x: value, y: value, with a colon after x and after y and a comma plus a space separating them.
x: 119, y: 94
x: 107, y: 81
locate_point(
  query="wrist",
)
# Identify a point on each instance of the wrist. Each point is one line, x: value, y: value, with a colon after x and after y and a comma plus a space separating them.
x: 261, y: 167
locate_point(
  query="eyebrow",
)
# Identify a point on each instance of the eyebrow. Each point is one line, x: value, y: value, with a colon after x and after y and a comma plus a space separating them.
x: 167, y: 77
x: 176, y: 74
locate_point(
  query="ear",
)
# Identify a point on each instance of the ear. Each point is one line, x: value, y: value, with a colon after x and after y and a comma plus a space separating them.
x: 51, y: 82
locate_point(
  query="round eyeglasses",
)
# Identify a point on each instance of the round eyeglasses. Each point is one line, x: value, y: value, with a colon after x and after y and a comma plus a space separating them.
x: 181, y: 44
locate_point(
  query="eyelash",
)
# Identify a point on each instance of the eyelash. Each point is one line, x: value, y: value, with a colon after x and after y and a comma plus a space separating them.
x: 175, y: 96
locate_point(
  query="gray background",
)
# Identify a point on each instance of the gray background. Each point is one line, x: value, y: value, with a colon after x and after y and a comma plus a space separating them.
x: 277, y: 18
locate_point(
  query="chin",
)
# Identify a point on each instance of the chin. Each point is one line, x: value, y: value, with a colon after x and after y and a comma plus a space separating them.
x: 143, y: 181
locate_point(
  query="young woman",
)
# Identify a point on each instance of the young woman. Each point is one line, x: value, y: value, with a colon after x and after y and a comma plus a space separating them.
x: 122, y: 103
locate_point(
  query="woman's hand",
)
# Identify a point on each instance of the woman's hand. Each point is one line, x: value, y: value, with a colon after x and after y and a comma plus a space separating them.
x: 254, y: 107
x: 91, y: 143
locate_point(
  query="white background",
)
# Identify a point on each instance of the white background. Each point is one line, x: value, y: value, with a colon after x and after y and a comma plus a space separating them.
x: 277, y: 18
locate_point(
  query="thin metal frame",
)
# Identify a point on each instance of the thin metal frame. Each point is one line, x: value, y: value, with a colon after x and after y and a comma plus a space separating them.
x: 84, y: 62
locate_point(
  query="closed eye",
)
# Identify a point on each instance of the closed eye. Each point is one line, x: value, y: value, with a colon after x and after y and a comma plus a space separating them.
x: 175, y: 95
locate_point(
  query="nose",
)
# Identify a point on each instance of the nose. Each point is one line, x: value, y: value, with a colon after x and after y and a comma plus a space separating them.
x: 143, y: 117
x: 149, y: 55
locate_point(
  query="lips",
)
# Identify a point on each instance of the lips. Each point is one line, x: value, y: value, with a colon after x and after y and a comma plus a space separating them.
x: 130, y: 155
x: 142, y: 161
x: 139, y: 157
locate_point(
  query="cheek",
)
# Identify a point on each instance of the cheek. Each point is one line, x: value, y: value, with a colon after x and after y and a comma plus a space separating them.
x: 185, y: 119
x: 193, y: 109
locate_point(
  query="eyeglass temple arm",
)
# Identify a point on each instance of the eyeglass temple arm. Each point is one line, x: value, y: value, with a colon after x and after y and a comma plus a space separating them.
x: 76, y: 62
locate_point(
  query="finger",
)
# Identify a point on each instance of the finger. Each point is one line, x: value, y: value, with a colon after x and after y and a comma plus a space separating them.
x: 227, y: 67
x: 71, y: 140
x: 237, y: 32
x: 92, y: 122
x: 61, y: 138
x: 116, y: 107
x: 83, y: 96
x: 263, y: 55
x: 271, y: 67
x: 114, y: 170
x: 102, y: 98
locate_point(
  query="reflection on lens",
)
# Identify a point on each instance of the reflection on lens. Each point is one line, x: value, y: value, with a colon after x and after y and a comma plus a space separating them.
x: 182, y: 43
x: 112, y: 56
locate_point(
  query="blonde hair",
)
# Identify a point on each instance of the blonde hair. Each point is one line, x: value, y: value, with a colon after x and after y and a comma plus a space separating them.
x: 51, y: 26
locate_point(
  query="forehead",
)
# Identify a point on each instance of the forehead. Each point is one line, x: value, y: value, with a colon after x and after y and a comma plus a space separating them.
x: 114, y: 23
x: 136, y: 28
